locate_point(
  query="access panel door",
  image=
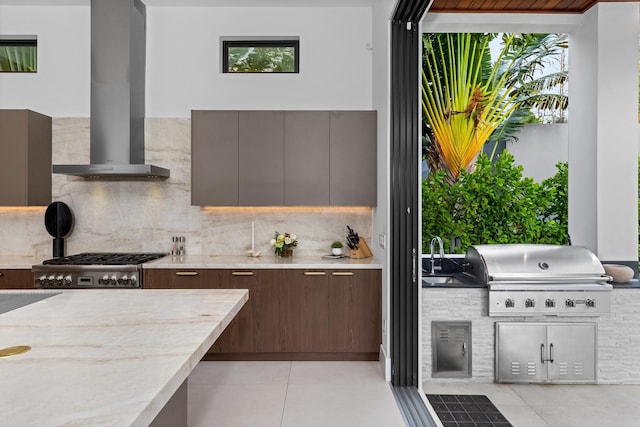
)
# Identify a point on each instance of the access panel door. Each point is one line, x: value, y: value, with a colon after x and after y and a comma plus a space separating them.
x: 521, y: 352
x: 572, y: 352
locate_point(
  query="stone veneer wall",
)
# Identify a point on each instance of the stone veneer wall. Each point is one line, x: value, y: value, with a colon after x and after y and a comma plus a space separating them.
x: 618, y: 333
x: 143, y: 215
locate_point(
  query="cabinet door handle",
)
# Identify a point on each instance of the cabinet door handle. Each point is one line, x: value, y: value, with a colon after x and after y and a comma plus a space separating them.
x: 551, y: 352
x: 242, y: 273
x: 314, y: 273
x: 1, y: 274
x: 186, y: 273
x: 542, y: 353
x: 342, y: 273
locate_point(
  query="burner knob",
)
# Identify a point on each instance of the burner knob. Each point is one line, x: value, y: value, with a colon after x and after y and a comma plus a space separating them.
x: 550, y: 303
x: 570, y: 303
x: 51, y: 280
x: 133, y: 280
x: 42, y: 279
x: 59, y: 280
x: 104, y: 280
x: 590, y: 302
x: 509, y: 303
x: 114, y: 280
x: 529, y: 303
x: 67, y: 280
x: 125, y: 280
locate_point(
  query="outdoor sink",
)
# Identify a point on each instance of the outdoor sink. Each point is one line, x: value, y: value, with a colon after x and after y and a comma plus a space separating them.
x: 441, y: 280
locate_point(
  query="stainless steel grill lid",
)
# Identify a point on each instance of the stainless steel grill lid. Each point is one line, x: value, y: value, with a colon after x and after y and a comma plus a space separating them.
x: 534, y: 263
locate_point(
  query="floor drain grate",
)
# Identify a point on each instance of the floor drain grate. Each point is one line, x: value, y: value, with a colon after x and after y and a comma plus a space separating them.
x: 464, y: 410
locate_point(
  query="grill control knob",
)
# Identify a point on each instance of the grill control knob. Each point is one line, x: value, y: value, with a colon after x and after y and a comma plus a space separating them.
x: 59, y: 280
x: 124, y: 280
x: 133, y: 280
x: 67, y: 280
x: 114, y: 280
x: 590, y: 302
x: 104, y: 280
x: 570, y: 303
x: 529, y: 303
x: 509, y: 303
x: 51, y: 280
x: 550, y: 302
x: 42, y: 279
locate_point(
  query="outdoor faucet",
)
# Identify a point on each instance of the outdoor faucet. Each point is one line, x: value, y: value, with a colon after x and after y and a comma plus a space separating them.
x: 433, y: 262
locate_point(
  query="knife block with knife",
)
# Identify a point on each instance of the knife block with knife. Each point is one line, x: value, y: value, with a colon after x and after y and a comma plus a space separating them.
x: 361, y: 251
x: 357, y: 245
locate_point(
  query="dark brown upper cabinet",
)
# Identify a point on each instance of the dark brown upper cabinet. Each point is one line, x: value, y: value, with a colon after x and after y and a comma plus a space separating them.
x: 25, y: 158
x: 283, y: 158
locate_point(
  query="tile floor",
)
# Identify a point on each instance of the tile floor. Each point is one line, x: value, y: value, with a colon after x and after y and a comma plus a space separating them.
x: 291, y: 394
x: 529, y: 405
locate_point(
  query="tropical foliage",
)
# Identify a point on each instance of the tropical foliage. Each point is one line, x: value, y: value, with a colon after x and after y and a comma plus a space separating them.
x: 468, y: 99
x: 18, y: 59
x: 261, y: 59
x: 495, y: 204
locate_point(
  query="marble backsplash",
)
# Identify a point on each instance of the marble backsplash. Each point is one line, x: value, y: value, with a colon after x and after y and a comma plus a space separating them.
x: 143, y: 215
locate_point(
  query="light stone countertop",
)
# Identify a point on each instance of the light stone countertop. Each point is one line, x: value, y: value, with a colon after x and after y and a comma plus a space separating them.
x: 106, y: 357
x: 266, y: 261
x: 12, y: 262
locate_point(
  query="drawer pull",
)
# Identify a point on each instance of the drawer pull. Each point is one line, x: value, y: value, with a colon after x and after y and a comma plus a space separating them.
x: 242, y: 273
x: 186, y: 273
x: 1, y: 274
x: 342, y: 273
x: 314, y: 273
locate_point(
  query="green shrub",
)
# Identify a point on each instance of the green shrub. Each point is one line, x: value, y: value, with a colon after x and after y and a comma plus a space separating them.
x: 494, y: 204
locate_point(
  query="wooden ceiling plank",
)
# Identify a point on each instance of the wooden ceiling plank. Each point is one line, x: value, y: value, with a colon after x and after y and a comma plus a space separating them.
x: 517, y: 6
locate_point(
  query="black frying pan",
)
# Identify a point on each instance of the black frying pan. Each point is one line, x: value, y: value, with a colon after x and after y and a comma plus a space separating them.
x: 58, y: 221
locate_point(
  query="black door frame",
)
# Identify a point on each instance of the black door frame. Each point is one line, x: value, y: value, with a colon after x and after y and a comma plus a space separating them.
x: 404, y: 198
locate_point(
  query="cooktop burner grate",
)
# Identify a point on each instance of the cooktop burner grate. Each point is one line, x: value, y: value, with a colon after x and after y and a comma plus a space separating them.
x: 105, y: 258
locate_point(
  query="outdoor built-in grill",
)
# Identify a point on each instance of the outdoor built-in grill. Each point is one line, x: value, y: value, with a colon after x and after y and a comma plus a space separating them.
x: 540, y: 280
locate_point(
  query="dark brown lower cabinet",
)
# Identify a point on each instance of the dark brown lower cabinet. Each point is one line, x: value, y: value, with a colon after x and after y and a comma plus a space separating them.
x: 292, y: 314
x: 16, y: 279
x: 355, y: 311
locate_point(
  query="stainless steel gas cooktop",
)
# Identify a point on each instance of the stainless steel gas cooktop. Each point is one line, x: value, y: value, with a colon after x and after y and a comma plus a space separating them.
x: 93, y: 270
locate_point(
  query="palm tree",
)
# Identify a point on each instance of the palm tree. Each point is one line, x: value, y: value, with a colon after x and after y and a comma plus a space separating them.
x: 467, y: 100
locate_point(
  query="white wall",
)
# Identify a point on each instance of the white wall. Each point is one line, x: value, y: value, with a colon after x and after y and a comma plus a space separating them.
x: 183, y: 72
x: 382, y: 11
x: 183, y: 59
x: 603, y: 132
x: 61, y: 85
x: 539, y: 148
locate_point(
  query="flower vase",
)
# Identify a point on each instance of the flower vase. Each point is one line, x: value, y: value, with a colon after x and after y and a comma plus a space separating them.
x: 286, y: 253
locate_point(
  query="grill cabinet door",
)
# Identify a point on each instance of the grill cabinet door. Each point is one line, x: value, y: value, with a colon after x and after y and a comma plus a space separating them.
x: 520, y: 352
x: 451, y: 349
x: 572, y: 348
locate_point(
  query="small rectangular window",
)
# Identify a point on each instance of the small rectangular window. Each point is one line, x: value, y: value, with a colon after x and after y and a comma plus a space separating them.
x: 18, y: 55
x: 260, y: 56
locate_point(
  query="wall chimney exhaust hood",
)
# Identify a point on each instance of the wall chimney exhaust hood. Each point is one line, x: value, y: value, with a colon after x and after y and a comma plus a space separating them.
x: 118, y: 45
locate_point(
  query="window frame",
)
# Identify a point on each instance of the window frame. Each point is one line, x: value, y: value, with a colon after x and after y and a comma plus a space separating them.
x: 20, y: 41
x: 257, y: 42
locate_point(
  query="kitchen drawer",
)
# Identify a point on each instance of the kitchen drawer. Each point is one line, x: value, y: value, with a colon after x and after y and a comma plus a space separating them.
x: 16, y: 279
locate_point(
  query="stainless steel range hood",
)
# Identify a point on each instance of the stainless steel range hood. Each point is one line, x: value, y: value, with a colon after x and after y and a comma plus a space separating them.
x: 118, y: 45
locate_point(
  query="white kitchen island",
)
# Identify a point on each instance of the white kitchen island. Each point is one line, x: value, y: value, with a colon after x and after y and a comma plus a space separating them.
x: 107, y: 357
